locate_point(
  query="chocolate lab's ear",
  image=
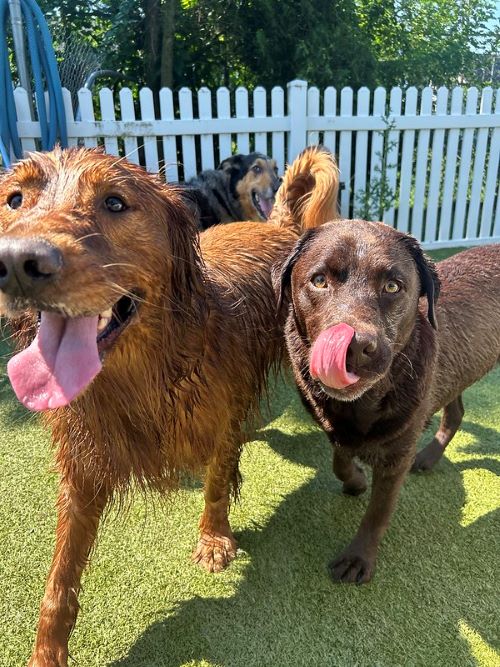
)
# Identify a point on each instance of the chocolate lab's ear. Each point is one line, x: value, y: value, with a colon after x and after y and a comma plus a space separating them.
x: 429, y: 280
x: 282, y: 272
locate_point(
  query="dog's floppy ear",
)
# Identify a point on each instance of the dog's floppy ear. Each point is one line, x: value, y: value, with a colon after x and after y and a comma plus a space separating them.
x: 231, y: 163
x: 429, y: 280
x: 180, y: 227
x: 282, y: 272
x: 234, y: 169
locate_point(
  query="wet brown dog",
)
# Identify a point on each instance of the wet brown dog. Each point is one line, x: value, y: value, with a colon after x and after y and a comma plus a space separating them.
x: 374, y: 361
x: 149, y: 355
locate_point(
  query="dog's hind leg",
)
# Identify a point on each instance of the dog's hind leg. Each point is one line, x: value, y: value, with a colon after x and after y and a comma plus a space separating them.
x: 450, y: 422
x: 216, y: 546
x: 79, y: 512
x: 348, y: 472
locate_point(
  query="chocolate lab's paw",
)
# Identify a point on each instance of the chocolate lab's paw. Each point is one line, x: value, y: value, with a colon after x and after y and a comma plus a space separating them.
x: 214, y: 552
x: 428, y: 457
x: 352, y: 567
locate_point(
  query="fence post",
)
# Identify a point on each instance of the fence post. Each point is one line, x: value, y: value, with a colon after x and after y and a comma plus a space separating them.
x: 297, y: 111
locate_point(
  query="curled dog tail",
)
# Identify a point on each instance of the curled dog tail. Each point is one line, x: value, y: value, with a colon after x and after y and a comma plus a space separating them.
x: 308, y: 195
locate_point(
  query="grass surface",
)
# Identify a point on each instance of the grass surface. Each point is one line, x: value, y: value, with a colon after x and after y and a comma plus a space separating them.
x: 434, y: 600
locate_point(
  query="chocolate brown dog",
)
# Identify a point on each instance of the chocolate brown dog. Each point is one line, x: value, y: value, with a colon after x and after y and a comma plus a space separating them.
x: 374, y: 356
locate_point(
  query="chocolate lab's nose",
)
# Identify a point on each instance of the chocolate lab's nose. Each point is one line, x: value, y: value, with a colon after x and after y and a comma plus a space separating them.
x: 277, y: 184
x: 26, y: 264
x: 361, y: 350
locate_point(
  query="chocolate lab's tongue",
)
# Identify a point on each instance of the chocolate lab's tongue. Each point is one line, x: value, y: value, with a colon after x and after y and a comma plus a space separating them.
x: 58, y: 365
x: 328, y: 357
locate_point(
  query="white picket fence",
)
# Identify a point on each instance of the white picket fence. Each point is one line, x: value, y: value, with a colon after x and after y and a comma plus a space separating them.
x: 436, y: 151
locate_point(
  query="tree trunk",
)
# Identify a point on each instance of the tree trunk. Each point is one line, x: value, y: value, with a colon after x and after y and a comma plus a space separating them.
x: 152, y: 42
x: 167, y: 43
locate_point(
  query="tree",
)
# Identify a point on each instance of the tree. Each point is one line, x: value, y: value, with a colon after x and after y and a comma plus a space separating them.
x: 270, y: 42
x: 437, y: 42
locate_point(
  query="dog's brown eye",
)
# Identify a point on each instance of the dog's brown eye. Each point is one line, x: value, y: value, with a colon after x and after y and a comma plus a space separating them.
x: 256, y: 169
x: 319, y: 281
x: 15, y: 200
x: 391, y: 287
x: 115, y: 204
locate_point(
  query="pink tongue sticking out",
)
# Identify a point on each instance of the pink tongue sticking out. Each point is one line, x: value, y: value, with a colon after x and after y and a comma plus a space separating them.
x: 328, y: 357
x: 58, y: 365
x: 267, y: 206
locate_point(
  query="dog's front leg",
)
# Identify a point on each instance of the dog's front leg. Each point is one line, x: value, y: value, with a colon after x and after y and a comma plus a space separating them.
x: 78, y: 517
x: 216, y: 546
x: 356, y: 563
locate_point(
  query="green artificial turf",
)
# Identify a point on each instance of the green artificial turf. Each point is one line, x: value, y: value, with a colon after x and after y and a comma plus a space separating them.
x: 434, y: 600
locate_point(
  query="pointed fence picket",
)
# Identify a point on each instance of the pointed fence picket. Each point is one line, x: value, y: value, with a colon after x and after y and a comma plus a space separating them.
x: 169, y: 141
x: 87, y: 119
x: 435, y: 172
x: 377, y: 152
x: 242, y: 138
x: 259, y: 111
x: 360, y: 170
x: 406, y: 169
x: 491, y: 186
x: 452, y: 155
x: 278, y: 138
x: 206, y: 140
x: 345, y: 152
x: 434, y: 153
x: 128, y: 115
x: 479, y: 168
x: 108, y: 114
x: 224, y: 113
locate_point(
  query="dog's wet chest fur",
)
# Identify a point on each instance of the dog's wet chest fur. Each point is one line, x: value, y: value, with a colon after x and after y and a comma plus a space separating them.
x: 372, y: 424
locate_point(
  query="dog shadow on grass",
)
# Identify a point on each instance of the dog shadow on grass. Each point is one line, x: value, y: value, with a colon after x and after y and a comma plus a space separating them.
x: 434, y: 578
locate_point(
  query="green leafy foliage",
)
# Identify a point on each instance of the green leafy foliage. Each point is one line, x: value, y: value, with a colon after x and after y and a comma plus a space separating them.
x: 378, y: 196
x: 270, y: 42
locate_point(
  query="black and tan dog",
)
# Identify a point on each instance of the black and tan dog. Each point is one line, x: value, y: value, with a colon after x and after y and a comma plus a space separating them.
x: 375, y: 356
x: 243, y: 187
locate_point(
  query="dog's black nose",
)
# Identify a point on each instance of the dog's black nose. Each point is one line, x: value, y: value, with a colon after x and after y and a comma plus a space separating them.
x: 361, y: 350
x: 27, y: 263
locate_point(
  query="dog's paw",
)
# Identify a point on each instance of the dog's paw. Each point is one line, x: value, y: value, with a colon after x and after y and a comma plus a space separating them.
x: 352, y: 568
x: 427, y: 458
x: 214, y: 552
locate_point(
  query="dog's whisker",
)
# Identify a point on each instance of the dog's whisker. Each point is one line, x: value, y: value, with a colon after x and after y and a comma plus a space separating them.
x: 127, y: 264
x: 88, y: 236
x: 127, y: 155
x: 159, y: 307
x: 412, y: 373
x: 125, y: 292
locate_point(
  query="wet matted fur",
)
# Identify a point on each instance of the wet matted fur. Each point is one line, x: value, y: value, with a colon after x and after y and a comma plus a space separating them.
x: 412, y: 356
x: 185, y: 349
x: 243, y: 187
